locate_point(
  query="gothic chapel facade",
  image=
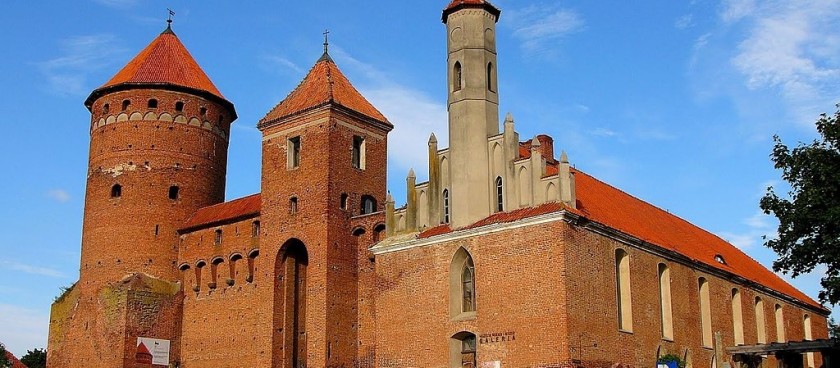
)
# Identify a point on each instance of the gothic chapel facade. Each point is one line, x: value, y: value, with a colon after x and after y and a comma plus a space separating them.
x: 506, y: 257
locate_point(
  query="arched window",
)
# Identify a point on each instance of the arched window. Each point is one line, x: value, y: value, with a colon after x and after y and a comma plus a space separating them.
x: 233, y: 272
x: 255, y: 229
x: 462, y: 350
x: 173, y: 192
x: 760, y: 326
x: 252, y: 267
x: 500, y: 200
x: 126, y: 104
x: 343, y: 202
x: 368, y: 205
x: 214, y: 272
x: 198, y: 267
x: 446, y: 206
x: 665, y: 302
x: 462, y: 281
x: 490, y: 86
x: 116, y: 191
x: 457, y: 77
x: 622, y: 284
x: 179, y: 106
x: 152, y: 103
x: 780, y: 324
x: 106, y: 108
x: 705, y: 312
x: 737, y: 317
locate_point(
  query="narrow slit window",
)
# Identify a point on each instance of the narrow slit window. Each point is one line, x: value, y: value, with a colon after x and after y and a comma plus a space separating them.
x: 457, y: 77
x: 446, y: 206
x: 293, y: 205
x: 468, y: 286
x: 116, y: 191
x: 174, y: 192
x: 490, y: 86
x: 500, y: 200
x: 217, y: 240
x: 665, y: 302
x: 343, y: 203
x: 705, y: 312
x: 255, y: 229
x: 293, y: 153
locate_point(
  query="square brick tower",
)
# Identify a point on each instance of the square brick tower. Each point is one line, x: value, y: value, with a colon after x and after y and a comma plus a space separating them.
x: 324, y: 166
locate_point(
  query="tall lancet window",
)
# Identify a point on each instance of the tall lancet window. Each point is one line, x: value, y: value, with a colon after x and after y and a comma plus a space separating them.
x: 500, y: 200
x: 457, y: 77
x: 446, y: 206
x: 490, y: 86
x: 468, y: 286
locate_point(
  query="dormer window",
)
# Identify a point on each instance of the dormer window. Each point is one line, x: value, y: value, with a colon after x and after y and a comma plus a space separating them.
x: 719, y: 259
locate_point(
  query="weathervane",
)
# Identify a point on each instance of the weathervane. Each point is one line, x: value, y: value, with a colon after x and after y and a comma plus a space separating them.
x: 171, y: 14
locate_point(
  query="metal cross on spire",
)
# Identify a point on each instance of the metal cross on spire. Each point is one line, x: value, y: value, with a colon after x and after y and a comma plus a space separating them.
x: 326, y: 40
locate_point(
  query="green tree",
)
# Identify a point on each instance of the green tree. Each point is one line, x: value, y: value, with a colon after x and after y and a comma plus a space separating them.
x: 35, y: 358
x: 809, y: 218
x: 4, y: 362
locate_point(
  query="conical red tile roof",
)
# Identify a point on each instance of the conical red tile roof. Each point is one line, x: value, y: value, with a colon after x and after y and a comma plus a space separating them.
x: 164, y: 62
x: 325, y: 84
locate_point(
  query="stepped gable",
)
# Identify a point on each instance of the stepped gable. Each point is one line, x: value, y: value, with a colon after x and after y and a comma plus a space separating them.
x: 456, y: 5
x: 323, y: 85
x: 225, y: 212
x: 602, y: 203
x: 165, y: 62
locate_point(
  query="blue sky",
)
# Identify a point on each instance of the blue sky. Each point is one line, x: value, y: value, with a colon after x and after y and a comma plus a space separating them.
x: 675, y: 102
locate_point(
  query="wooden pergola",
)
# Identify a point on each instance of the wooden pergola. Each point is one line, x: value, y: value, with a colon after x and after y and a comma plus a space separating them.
x: 789, y: 354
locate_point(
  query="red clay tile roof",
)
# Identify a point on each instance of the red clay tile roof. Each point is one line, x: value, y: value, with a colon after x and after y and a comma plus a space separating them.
x: 231, y: 210
x: 14, y: 360
x: 323, y: 85
x: 165, y: 61
x: 607, y: 205
x: 458, y: 4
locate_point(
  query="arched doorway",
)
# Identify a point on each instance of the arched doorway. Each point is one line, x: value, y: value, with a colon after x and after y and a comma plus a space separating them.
x: 289, y: 336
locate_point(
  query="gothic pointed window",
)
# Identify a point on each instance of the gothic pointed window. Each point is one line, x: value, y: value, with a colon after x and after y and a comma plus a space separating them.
x: 468, y: 286
x: 623, y: 298
x: 760, y: 326
x: 490, y: 86
x: 780, y: 323
x: 500, y: 200
x: 457, y: 77
x: 368, y: 205
x: 446, y: 206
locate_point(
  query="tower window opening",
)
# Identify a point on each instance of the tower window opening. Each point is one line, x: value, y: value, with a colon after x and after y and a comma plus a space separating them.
x: 126, y: 104
x: 457, y: 77
x: 293, y: 153
x: 446, y: 206
x: 116, y: 191
x: 490, y: 86
x: 358, y: 155
x: 293, y: 205
x: 368, y: 205
x: 179, y: 106
x: 500, y: 200
x: 173, y: 192
x: 255, y: 229
x: 203, y: 111
x: 153, y: 103
x: 217, y: 240
x: 343, y: 203
x: 157, y: 230
x: 106, y: 108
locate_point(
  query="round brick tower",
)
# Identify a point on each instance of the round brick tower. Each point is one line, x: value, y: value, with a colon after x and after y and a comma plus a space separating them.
x: 158, y: 152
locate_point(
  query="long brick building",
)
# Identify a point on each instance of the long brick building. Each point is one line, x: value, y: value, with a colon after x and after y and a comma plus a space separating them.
x: 506, y: 257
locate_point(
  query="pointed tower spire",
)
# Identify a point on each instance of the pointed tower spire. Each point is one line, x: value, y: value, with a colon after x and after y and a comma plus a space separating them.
x: 326, y: 55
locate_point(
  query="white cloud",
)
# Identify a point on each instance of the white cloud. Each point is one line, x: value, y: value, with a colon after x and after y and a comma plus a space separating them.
x: 757, y: 226
x: 23, y: 329
x: 604, y: 132
x: 537, y: 25
x: 284, y: 63
x: 684, y: 22
x: 34, y: 270
x: 118, y: 3
x: 59, y: 195
x: 81, y: 56
x: 786, y: 49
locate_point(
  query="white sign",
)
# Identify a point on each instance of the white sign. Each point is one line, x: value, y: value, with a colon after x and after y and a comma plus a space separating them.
x: 159, y: 349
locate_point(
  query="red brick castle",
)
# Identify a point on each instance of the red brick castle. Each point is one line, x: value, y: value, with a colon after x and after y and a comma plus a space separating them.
x: 506, y: 257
